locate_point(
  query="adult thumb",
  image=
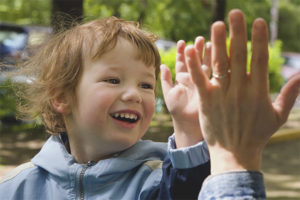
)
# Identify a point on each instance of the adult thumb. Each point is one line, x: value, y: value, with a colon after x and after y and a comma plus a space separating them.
x: 287, y: 97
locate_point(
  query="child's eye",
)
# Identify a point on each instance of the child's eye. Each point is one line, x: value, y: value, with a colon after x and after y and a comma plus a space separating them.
x: 112, y: 81
x: 146, y: 86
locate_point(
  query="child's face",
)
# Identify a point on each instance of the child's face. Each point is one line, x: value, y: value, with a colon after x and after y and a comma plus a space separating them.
x: 115, y: 100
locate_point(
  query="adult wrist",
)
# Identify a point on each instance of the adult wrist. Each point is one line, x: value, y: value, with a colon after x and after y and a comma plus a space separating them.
x: 223, y: 161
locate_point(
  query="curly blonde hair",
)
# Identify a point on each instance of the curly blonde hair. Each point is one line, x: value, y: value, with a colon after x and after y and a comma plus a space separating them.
x: 57, y: 67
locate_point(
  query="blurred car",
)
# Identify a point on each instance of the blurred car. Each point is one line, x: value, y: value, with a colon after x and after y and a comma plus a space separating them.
x: 165, y: 44
x: 17, y: 43
x: 13, y: 40
x: 291, y: 64
x: 21, y: 41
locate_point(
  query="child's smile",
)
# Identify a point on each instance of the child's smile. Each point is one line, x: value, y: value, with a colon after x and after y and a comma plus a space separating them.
x: 115, y: 102
x: 126, y: 118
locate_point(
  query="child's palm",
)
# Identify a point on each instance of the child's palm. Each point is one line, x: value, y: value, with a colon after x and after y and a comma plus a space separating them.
x: 182, y: 99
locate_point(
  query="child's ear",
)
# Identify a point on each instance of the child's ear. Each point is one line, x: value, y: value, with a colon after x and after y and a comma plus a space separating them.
x: 61, y: 105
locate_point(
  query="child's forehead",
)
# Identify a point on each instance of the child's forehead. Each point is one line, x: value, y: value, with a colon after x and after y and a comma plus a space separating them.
x: 100, y: 48
x: 123, y: 56
x: 113, y: 50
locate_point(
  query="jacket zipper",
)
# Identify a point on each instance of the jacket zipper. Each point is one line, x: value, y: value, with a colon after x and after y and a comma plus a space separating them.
x: 82, y: 172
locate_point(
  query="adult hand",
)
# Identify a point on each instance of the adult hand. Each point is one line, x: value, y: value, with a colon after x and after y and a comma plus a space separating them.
x: 182, y: 98
x: 236, y: 114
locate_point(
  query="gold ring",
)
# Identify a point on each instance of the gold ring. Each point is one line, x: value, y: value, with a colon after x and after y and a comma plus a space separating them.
x: 220, y: 76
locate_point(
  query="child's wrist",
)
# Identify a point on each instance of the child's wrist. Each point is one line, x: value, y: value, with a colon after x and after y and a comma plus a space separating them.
x: 185, y: 134
x: 185, y: 140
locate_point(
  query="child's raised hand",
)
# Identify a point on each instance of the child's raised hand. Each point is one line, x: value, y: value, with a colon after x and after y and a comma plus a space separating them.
x: 236, y: 114
x: 182, y: 98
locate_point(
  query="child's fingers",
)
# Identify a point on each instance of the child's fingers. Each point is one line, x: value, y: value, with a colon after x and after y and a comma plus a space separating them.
x: 180, y: 59
x: 260, y: 55
x: 184, y: 78
x: 238, y: 47
x: 194, y: 68
x: 166, y: 79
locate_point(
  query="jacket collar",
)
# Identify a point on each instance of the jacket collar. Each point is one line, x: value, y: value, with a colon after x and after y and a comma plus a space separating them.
x: 55, y: 159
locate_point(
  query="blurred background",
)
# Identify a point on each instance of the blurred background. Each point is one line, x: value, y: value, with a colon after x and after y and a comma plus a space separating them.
x: 26, y: 24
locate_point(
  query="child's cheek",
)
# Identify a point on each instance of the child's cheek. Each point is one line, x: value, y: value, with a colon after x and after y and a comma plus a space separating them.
x: 96, y: 108
x: 150, y: 107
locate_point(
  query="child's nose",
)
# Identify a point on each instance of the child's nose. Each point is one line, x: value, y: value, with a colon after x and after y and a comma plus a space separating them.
x: 132, y: 95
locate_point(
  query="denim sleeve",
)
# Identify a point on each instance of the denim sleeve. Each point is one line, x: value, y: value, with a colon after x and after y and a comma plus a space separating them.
x: 187, y: 157
x: 234, y: 185
x: 184, y: 171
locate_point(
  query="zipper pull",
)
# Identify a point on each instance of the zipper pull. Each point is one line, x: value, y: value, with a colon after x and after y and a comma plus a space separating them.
x: 91, y: 163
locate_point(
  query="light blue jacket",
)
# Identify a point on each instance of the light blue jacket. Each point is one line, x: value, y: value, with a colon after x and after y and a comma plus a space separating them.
x: 133, y: 174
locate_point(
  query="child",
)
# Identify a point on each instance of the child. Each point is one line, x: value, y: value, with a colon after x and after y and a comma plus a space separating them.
x: 93, y: 86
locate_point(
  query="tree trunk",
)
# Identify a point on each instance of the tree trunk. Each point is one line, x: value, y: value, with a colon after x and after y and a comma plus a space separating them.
x: 65, y: 13
x: 116, y: 11
x: 143, y: 11
x: 220, y: 9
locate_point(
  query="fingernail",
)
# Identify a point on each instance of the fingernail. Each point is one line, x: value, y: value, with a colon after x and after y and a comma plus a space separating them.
x: 199, y: 38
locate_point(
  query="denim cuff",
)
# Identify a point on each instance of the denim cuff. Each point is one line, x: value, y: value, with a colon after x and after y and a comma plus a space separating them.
x: 187, y: 157
x: 234, y: 185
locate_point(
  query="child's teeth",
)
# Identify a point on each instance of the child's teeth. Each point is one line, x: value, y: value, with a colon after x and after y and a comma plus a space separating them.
x: 126, y: 115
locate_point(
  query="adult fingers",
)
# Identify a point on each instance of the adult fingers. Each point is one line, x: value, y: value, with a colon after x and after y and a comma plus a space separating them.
x: 194, y: 68
x: 166, y: 79
x: 180, y: 58
x: 238, y: 47
x: 206, y: 67
x: 286, y: 98
x: 260, y: 56
x: 199, y: 44
x: 219, y: 52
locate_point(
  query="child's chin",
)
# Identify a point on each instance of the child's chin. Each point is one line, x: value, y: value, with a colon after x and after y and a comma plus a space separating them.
x: 125, y: 144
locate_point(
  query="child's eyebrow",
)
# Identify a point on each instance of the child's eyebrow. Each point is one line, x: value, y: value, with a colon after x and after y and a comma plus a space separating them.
x: 116, y: 68
x: 149, y: 74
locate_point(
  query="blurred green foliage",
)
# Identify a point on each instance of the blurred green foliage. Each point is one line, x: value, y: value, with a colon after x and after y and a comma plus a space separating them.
x: 7, y: 100
x: 169, y: 19
x: 289, y: 25
x: 26, y: 12
x: 275, y: 64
